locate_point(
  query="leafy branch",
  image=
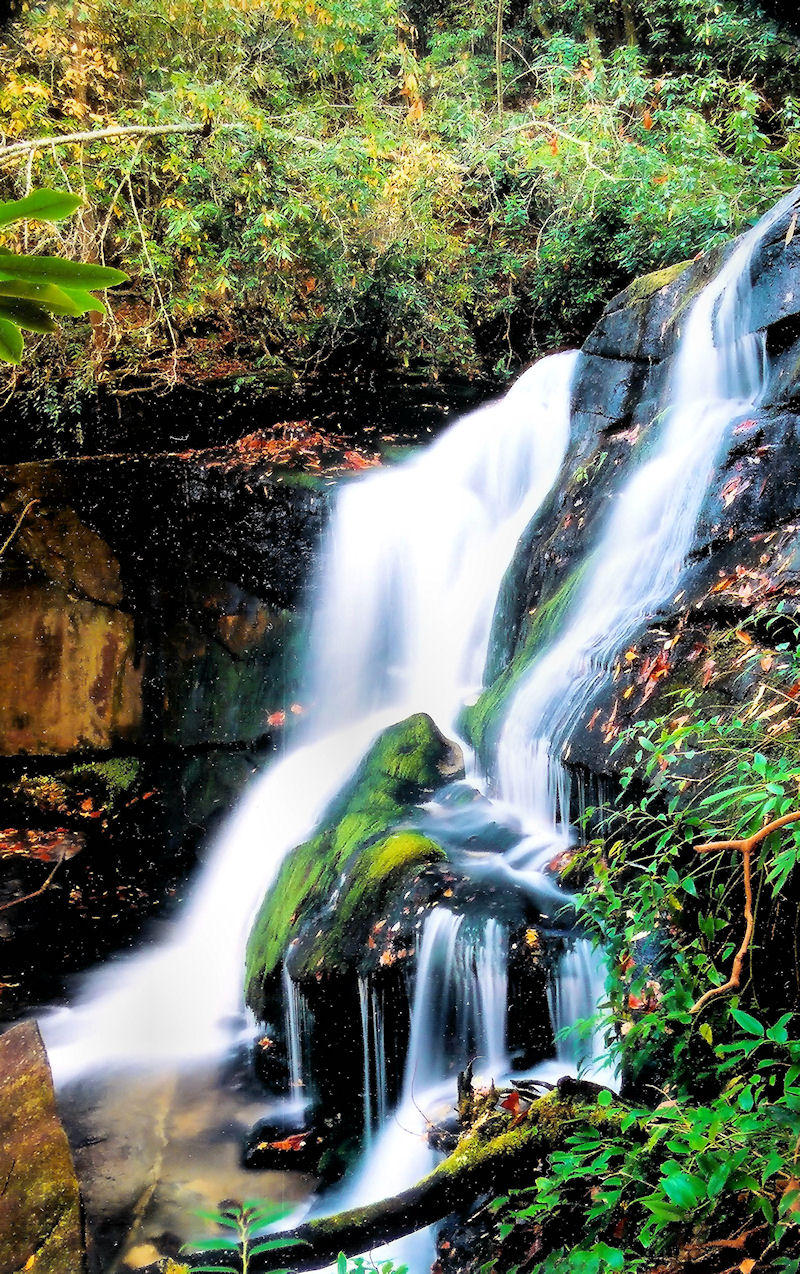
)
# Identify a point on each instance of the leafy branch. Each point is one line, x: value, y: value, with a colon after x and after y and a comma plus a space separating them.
x: 34, y: 290
x: 16, y: 150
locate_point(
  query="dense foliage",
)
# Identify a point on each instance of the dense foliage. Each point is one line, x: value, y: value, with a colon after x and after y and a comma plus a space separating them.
x: 706, y: 1154
x: 436, y: 187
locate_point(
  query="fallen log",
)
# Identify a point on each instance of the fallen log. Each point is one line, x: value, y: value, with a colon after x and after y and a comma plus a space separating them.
x: 492, y: 1156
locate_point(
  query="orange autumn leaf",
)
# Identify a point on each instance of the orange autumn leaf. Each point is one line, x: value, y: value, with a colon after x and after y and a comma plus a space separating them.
x: 553, y: 145
x: 295, y: 1142
x: 647, y: 119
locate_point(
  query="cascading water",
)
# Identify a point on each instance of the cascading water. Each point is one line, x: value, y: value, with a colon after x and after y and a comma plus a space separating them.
x: 718, y: 374
x: 458, y: 1013
x: 295, y: 1015
x: 374, y: 1057
x: 409, y: 576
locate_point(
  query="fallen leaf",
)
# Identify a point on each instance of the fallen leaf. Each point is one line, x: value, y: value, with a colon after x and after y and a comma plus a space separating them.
x: 709, y: 668
x: 512, y: 1102
x: 296, y: 1142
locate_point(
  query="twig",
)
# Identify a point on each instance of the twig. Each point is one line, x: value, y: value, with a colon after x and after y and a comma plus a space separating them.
x: 565, y: 136
x: 746, y: 847
x: 17, y: 525
x: 97, y: 135
x: 15, y: 902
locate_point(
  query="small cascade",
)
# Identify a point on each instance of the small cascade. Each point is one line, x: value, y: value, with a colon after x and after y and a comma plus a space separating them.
x: 574, y: 992
x: 459, y: 1008
x: 295, y: 1011
x: 366, y: 1053
x: 458, y: 1014
x: 373, y: 1046
x: 379, y: 1054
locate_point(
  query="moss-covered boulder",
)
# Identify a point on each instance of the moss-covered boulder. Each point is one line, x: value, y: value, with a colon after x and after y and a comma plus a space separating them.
x: 333, y: 888
x: 41, y: 1220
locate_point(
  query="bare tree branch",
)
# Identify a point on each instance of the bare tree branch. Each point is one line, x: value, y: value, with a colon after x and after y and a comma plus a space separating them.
x: 746, y: 848
x: 17, y: 149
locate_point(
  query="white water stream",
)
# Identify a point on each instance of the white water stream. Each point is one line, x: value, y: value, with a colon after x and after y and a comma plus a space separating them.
x: 409, y: 579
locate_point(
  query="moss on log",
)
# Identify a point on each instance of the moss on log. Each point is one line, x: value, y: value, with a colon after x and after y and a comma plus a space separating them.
x: 493, y: 1154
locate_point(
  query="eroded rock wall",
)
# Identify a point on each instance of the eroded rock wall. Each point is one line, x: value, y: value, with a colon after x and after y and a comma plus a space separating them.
x: 149, y: 660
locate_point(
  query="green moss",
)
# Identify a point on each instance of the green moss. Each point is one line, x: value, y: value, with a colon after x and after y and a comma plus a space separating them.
x: 356, y: 856
x: 482, y: 720
x: 648, y: 284
x: 119, y: 774
x: 378, y: 871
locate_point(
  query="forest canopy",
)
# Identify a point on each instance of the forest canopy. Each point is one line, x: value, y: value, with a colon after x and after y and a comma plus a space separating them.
x: 430, y: 188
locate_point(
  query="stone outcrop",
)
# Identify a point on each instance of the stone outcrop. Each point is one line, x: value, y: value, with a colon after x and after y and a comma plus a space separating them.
x: 333, y: 905
x: 149, y: 633
x: 746, y: 551
x: 41, y: 1217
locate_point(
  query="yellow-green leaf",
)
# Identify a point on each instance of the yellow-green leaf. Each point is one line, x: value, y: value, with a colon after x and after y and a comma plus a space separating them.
x: 11, y: 342
x: 40, y: 205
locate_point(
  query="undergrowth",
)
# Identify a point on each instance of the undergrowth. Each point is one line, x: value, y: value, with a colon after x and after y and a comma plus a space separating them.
x: 705, y: 1162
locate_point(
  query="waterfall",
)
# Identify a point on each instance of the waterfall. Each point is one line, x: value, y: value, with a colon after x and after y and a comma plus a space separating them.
x: 407, y: 583
x: 575, y: 990
x: 374, y: 1057
x: 416, y: 556
x: 408, y: 580
x: 458, y: 1014
x: 295, y: 1015
x: 718, y: 374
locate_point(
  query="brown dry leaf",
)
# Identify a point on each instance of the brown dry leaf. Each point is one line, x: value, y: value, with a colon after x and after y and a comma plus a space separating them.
x: 747, y: 1265
x: 766, y: 662
x: 744, y: 637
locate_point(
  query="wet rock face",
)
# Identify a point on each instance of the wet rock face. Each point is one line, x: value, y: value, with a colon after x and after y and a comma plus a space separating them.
x: 41, y: 1219
x: 150, y: 642
x: 746, y: 550
x: 150, y: 582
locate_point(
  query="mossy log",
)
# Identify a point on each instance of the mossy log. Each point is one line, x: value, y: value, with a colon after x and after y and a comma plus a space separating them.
x: 494, y: 1154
